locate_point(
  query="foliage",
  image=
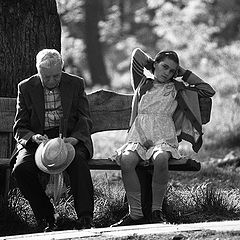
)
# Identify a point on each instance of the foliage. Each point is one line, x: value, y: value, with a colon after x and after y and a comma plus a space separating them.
x: 205, y: 36
x: 185, y: 202
x: 201, y: 202
x: 110, y: 204
x: 195, y: 29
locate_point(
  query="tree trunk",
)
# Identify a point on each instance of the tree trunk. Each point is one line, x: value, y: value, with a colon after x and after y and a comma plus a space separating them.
x: 122, y: 13
x: 93, y: 46
x: 26, y: 27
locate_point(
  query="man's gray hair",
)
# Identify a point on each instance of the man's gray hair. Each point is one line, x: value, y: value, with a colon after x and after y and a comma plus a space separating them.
x: 47, y: 58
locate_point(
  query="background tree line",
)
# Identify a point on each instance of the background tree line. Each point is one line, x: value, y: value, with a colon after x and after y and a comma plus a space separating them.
x: 96, y: 37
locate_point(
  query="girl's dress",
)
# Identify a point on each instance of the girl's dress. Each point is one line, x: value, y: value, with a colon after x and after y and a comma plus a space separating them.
x: 153, y: 128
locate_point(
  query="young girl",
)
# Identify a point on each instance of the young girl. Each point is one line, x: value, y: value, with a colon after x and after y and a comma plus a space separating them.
x: 164, y: 111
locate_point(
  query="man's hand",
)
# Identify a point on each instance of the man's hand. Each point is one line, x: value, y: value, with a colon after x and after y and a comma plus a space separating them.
x: 71, y: 140
x: 38, y: 138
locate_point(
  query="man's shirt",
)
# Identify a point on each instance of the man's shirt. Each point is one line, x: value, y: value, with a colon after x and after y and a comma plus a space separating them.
x: 53, y: 107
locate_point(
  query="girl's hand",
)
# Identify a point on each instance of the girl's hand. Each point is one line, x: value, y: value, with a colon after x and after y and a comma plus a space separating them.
x: 181, y: 71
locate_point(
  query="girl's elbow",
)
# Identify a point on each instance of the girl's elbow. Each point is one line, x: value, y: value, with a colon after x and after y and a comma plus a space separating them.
x: 135, y: 50
x: 212, y: 92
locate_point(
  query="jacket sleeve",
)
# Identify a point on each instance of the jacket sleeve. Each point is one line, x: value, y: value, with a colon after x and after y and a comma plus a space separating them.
x: 195, y: 82
x: 21, y: 127
x: 139, y: 61
x: 83, y: 126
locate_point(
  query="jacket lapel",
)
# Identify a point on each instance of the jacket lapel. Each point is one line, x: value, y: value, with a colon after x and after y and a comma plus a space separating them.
x: 37, y: 97
x: 66, y: 95
x: 145, y: 85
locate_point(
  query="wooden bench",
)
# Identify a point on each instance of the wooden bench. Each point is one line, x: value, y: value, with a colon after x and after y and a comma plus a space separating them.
x: 109, y: 111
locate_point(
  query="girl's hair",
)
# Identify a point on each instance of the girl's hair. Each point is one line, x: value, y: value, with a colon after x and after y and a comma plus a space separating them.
x: 166, y: 54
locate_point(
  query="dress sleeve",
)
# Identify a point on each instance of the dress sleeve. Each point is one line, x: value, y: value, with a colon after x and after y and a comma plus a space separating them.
x: 139, y: 61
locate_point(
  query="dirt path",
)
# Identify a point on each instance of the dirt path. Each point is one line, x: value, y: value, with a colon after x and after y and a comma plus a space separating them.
x: 140, y: 230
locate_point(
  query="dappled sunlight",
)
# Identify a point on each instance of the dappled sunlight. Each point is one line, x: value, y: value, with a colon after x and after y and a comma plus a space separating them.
x: 97, y: 45
x: 105, y: 143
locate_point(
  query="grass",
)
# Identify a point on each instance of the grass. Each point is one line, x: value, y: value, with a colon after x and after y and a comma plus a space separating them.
x: 186, y: 201
x: 211, y: 194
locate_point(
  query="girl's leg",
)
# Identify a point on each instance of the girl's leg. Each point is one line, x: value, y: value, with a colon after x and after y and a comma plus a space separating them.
x: 160, y: 178
x: 131, y: 183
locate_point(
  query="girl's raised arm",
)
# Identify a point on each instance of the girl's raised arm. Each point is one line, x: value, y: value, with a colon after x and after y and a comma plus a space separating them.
x: 203, y: 88
x: 139, y: 61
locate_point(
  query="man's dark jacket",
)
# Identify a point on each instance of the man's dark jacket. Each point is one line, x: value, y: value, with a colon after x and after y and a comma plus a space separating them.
x: 30, y: 115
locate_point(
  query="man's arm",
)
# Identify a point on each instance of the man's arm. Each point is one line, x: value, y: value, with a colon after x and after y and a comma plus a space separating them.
x: 21, y: 127
x: 83, y: 126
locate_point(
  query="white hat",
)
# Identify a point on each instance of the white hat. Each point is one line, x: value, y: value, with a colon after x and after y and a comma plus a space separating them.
x: 54, y: 156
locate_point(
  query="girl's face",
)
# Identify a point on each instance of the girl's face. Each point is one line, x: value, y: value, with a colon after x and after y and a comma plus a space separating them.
x: 165, y: 70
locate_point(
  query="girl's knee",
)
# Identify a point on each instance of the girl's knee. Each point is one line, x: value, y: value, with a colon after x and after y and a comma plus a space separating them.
x: 160, y: 159
x: 129, y: 161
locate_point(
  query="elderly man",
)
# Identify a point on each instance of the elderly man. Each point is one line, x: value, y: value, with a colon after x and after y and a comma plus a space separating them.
x: 43, y: 100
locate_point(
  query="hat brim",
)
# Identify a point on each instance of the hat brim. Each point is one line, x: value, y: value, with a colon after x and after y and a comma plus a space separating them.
x: 54, y: 169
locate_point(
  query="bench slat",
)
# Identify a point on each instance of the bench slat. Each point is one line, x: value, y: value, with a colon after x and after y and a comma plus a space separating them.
x: 107, y: 164
x: 4, y: 162
x: 174, y: 165
x: 109, y: 111
x: 7, y: 113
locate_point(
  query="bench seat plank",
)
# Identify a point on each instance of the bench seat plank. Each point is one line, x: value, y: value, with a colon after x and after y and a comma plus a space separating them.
x: 107, y: 164
x: 174, y: 165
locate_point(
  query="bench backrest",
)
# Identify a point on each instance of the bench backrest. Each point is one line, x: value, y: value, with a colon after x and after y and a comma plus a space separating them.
x: 109, y: 111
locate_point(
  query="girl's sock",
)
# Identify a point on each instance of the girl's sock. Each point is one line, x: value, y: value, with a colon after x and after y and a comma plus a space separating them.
x: 134, y: 202
x: 158, y: 192
x: 133, y: 192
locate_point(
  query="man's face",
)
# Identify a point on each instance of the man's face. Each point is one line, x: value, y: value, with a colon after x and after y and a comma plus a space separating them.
x: 51, y: 77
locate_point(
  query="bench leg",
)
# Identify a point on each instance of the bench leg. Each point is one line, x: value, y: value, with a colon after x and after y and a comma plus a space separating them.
x: 7, y: 183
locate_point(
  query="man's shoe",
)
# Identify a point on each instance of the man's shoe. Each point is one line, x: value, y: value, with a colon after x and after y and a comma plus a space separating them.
x: 50, y: 227
x: 158, y: 217
x: 84, y: 222
x: 127, y: 221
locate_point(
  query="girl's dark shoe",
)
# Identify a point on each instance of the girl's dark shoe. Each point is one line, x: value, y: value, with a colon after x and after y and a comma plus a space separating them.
x: 84, y: 222
x: 46, y: 226
x: 158, y: 217
x: 41, y: 224
x: 127, y: 220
